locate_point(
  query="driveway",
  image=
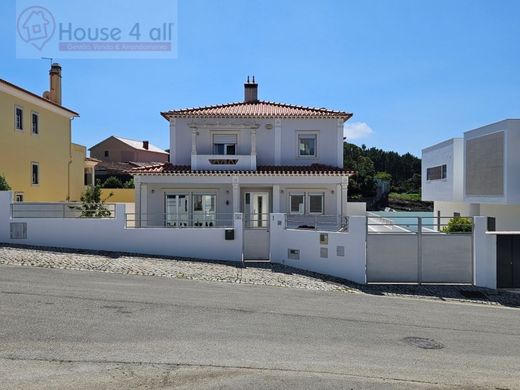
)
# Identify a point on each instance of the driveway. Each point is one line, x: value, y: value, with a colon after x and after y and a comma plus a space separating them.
x: 83, y: 330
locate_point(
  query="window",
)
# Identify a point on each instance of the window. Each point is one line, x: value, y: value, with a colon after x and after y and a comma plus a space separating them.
x: 107, y: 153
x: 204, y: 203
x: 307, y: 145
x: 224, y: 149
x: 18, y: 197
x: 35, y: 173
x: 225, y: 144
x: 297, y: 203
x: 34, y: 123
x: 315, y: 203
x: 437, y: 173
x: 18, y: 118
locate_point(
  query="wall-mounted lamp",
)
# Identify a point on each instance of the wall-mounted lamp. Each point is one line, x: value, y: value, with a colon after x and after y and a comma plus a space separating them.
x: 331, y: 191
x: 281, y: 191
x: 153, y: 191
x: 227, y: 202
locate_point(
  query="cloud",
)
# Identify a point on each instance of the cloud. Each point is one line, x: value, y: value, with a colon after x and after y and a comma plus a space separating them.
x: 356, y: 130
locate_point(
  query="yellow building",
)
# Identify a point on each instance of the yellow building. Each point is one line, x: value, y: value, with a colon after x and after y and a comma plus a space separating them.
x: 37, y: 156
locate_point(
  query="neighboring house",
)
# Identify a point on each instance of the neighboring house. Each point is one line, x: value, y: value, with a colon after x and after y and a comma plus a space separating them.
x: 253, y: 157
x: 119, y: 149
x: 477, y: 174
x: 37, y: 156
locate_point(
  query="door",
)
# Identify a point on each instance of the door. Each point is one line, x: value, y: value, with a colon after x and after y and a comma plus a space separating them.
x: 177, y: 210
x: 256, y: 227
x: 508, y: 261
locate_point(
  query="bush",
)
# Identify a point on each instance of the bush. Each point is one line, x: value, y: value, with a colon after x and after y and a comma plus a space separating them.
x: 92, y: 204
x: 409, y: 197
x: 3, y: 184
x: 113, y: 182
x: 385, y: 176
x: 458, y: 225
x: 129, y: 184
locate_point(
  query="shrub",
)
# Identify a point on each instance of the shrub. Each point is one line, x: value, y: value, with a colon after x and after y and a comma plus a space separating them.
x: 113, y: 182
x: 385, y: 176
x: 129, y: 184
x: 92, y: 204
x: 458, y: 225
x: 3, y: 184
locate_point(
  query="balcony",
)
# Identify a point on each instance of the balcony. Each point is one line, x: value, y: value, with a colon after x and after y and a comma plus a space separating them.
x: 223, y: 162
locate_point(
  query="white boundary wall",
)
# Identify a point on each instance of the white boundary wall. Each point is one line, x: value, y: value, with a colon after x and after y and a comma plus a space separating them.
x: 350, y: 265
x: 110, y: 234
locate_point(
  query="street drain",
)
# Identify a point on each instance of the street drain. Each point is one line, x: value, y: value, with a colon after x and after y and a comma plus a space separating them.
x: 424, y: 343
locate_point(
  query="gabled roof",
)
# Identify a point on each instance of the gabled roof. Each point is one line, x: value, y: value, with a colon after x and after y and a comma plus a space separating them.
x: 40, y: 98
x: 137, y: 145
x: 258, y: 109
x: 268, y: 170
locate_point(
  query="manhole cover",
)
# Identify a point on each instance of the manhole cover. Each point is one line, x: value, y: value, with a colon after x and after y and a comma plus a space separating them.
x: 424, y: 343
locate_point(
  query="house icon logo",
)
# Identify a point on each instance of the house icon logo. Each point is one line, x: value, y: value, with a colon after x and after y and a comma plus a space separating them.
x: 36, y: 26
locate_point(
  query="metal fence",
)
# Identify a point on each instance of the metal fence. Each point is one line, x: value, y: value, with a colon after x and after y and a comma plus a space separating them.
x: 61, y: 210
x: 256, y: 221
x: 161, y: 220
x: 419, y: 250
x: 425, y: 225
x: 316, y: 222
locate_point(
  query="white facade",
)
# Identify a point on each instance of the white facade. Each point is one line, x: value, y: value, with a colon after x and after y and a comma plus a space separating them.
x: 482, y: 174
x: 254, y: 158
x: 450, y: 188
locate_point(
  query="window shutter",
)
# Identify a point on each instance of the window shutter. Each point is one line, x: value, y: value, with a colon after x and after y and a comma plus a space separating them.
x: 225, y: 139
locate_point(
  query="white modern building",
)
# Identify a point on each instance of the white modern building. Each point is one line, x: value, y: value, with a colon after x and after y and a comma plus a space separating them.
x: 478, y: 174
x: 253, y: 157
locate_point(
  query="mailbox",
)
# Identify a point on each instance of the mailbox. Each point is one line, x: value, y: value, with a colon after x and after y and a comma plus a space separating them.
x: 230, y: 234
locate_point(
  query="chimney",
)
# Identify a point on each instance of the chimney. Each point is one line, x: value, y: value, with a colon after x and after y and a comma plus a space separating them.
x: 250, y: 91
x: 54, y: 95
x: 146, y: 145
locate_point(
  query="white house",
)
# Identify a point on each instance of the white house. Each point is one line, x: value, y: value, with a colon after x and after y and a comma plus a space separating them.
x: 252, y: 157
x: 477, y: 174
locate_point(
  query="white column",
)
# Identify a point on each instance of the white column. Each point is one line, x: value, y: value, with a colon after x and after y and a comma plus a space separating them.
x: 253, y: 142
x: 93, y: 176
x: 194, y: 142
x: 277, y: 141
x: 339, y: 200
x: 340, y: 142
x: 344, y: 195
x: 143, y: 205
x: 173, y: 137
x: 276, y: 198
x: 236, y: 194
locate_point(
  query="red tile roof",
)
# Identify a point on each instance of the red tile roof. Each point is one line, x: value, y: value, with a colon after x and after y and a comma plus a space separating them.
x: 270, y: 170
x: 258, y: 109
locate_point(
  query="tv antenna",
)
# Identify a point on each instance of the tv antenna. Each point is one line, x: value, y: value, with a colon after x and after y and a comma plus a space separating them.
x: 48, y: 58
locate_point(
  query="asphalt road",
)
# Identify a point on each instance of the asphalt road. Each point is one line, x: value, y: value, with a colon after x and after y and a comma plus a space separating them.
x: 84, y: 330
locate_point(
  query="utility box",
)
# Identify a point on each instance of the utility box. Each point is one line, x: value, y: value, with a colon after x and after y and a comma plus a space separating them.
x: 229, y: 234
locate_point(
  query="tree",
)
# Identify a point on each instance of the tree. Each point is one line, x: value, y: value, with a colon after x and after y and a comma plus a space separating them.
x: 92, y: 204
x: 4, y: 186
x: 385, y: 176
x: 113, y: 182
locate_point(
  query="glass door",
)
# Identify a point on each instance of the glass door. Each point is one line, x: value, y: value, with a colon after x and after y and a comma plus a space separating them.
x: 177, y: 210
x: 256, y: 209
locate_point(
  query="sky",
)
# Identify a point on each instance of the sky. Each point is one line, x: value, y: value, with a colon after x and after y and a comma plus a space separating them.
x: 412, y: 72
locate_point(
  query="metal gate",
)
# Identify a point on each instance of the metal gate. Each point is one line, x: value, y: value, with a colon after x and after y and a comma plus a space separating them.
x: 508, y: 261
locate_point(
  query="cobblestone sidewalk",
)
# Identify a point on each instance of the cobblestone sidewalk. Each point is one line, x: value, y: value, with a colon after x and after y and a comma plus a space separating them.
x: 170, y: 268
x: 258, y: 274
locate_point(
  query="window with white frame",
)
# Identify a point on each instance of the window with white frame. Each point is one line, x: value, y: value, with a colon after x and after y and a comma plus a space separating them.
x: 225, y: 144
x: 307, y: 145
x: 18, y: 118
x: 316, y: 203
x: 35, y: 123
x: 297, y: 203
x: 35, y: 173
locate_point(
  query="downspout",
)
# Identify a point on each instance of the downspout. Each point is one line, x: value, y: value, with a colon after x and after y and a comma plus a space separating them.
x: 70, y: 158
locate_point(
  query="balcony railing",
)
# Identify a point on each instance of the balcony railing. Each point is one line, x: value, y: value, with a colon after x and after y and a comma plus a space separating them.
x: 223, y: 162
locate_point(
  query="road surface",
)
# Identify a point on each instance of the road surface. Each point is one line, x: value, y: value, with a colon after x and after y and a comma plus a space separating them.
x: 84, y: 330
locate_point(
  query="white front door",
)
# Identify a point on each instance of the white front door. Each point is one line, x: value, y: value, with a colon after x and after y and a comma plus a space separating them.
x: 256, y: 232
x: 177, y: 210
